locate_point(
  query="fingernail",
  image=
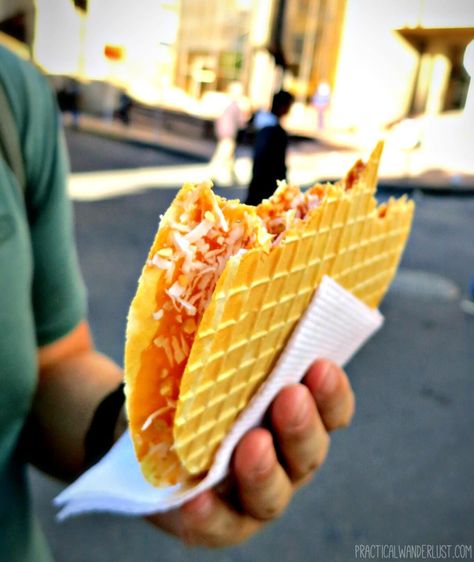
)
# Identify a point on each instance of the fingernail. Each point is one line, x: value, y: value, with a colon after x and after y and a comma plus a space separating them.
x: 328, y: 381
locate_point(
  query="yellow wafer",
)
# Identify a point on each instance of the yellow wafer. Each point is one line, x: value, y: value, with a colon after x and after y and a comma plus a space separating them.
x: 259, y: 298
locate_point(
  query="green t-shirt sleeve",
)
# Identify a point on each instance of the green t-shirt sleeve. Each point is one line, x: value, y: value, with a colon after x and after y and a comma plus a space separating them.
x: 58, y: 293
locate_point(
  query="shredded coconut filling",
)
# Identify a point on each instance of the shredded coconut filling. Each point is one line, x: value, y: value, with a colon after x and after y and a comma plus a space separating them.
x: 286, y: 205
x: 199, y: 244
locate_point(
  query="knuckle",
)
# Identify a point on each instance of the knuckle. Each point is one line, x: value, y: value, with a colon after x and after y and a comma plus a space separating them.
x: 259, y: 479
x: 269, y: 514
x: 298, y: 434
x: 312, y: 462
x: 219, y: 539
x: 345, y: 421
x: 351, y: 408
x: 303, y: 480
x: 194, y: 534
x: 320, y: 453
x: 271, y: 511
x: 271, y: 501
x: 193, y: 527
x: 346, y: 413
x: 339, y: 415
x: 214, y: 533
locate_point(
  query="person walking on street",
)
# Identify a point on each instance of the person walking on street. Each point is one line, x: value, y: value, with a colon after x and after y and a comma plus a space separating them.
x: 227, y: 126
x: 269, y: 156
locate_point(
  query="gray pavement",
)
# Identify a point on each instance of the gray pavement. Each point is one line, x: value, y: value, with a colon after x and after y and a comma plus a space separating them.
x: 401, y: 474
x: 89, y: 153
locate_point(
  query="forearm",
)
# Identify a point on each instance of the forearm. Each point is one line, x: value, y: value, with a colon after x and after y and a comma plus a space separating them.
x: 68, y: 394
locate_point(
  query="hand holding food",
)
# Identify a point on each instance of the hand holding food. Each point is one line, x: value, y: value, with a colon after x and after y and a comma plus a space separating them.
x: 263, y: 482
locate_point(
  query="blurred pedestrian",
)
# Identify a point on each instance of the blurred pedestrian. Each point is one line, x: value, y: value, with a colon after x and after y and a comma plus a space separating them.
x: 321, y: 100
x: 61, y: 402
x: 226, y: 128
x: 124, y: 108
x: 269, y: 154
x: 68, y: 99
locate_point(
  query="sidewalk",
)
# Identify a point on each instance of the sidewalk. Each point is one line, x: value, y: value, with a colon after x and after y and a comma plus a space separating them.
x: 403, y: 167
x: 147, y: 136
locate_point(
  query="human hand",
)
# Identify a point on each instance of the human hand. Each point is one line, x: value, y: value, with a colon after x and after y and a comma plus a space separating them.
x: 269, y: 465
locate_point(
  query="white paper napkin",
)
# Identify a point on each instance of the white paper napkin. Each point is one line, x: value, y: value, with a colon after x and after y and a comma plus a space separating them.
x: 334, y: 326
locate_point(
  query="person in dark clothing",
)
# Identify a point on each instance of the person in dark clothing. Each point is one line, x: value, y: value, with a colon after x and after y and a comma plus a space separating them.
x: 125, y: 106
x: 269, y: 156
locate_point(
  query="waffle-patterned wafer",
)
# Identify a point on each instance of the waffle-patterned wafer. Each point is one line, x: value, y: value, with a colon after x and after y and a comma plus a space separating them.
x: 260, y: 297
x: 202, y: 336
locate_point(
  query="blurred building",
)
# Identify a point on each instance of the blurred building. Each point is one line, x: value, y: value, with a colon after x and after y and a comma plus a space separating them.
x: 101, y: 42
x: 242, y: 40
x: 373, y: 61
x: 212, y: 44
x: 311, y: 36
x: 399, y: 59
x: 380, y: 60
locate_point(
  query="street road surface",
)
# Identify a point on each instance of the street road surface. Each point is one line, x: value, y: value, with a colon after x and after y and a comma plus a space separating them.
x: 89, y: 153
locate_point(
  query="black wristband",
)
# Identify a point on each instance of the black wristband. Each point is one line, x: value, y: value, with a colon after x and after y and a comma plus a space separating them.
x: 100, y: 435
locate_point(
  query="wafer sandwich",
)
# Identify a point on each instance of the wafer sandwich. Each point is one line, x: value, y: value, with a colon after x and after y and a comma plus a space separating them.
x: 221, y: 291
